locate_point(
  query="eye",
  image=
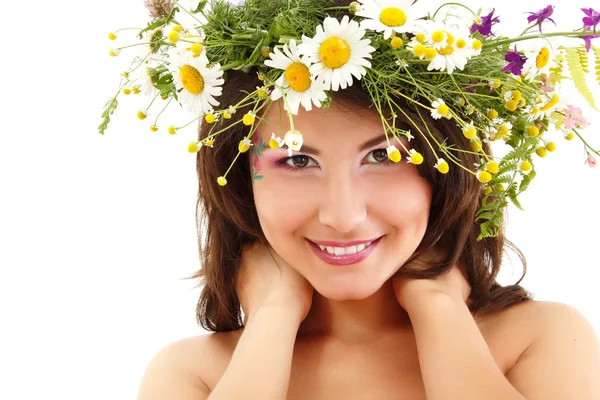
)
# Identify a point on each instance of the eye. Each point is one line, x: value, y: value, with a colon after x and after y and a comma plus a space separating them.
x: 377, y: 156
x: 299, y: 162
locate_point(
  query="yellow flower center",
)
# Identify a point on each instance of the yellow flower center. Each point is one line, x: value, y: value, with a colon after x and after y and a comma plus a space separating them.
x: 533, y: 131
x: 461, y: 43
x: 419, y: 50
x: 543, y: 57
x: 551, y: 146
x: 443, y: 167
x: 492, y: 167
x: 210, y: 118
x: 430, y: 53
x: 476, y: 144
x: 477, y: 44
x: 437, y: 36
x: 416, y: 158
x: 222, y: 181
x: 511, y: 105
x: 446, y: 51
x: 392, y: 16
x: 397, y: 42
x: 298, y: 77
x: 484, y: 176
x: 191, y: 79
x: 172, y: 130
x: 525, y: 166
x: 450, y: 39
x: 541, y: 152
x: 334, y: 52
x: 470, y: 132
x: 569, y: 136
x: 193, y: 147
x: 395, y: 156
x: 443, y: 109
x: 421, y: 38
x: 493, y: 114
x: 502, y: 131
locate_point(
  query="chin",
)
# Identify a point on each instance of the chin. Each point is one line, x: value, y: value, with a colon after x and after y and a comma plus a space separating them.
x: 340, y: 291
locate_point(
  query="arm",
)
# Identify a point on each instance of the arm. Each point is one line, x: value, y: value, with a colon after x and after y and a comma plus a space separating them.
x: 563, y: 363
x: 261, y: 363
x: 455, y: 360
x: 259, y: 368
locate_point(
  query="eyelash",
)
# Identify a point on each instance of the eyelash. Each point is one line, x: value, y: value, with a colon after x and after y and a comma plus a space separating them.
x: 283, y: 163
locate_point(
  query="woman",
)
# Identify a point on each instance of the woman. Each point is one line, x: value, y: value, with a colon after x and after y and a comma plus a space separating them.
x: 359, y: 277
x: 355, y: 325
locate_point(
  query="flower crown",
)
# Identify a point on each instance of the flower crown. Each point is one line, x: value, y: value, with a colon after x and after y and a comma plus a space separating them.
x: 453, y: 68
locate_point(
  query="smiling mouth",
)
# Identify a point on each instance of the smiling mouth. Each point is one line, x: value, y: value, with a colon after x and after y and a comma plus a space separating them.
x: 345, y: 250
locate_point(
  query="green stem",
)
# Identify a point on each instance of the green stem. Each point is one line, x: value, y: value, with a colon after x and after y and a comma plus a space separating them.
x: 451, y: 4
x: 543, y: 35
x: 586, y: 143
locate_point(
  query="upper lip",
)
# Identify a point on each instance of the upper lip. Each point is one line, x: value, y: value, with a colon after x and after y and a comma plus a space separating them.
x: 343, y: 244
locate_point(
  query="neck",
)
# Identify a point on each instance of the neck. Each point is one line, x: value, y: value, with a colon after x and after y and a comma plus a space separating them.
x: 355, y: 320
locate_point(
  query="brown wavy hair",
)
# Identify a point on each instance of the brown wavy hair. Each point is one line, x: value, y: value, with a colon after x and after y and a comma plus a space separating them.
x: 227, y: 218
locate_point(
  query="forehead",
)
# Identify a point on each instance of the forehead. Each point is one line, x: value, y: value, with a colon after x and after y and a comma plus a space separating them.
x: 337, y: 118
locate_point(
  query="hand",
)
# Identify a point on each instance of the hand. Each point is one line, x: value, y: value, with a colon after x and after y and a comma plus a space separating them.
x: 412, y: 292
x: 265, y: 279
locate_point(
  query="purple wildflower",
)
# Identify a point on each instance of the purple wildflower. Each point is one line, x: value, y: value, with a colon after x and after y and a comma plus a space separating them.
x: 592, y: 18
x: 588, y: 41
x: 485, y: 27
x: 515, y: 62
x: 159, y: 8
x: 541, y: 16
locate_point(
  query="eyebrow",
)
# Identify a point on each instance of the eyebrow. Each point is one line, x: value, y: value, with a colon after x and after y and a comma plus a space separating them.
x: 369, y: 143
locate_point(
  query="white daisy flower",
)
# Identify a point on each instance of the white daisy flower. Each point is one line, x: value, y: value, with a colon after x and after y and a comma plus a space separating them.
x: 453, y: 47
x: 276, y: 141
x: 152, y: 42
x: 196, y: 83
x: 538, y: 62
x: 337, y: 52
x: 440, y: 109
x: 142, y: 79
x: 389, y: 16
x: 293, y: 140
x: 296, y: 82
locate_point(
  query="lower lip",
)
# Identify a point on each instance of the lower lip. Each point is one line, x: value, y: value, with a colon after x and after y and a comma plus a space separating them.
x: 346, y: 259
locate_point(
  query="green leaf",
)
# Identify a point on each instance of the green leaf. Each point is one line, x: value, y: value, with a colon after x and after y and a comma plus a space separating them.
x: 578, y: 75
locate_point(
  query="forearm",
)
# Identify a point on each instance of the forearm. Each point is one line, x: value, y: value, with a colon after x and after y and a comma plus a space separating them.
x: 261, y: 363
x: 455, y: 360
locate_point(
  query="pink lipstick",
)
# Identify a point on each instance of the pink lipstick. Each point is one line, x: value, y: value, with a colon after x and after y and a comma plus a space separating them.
x: 343, y: 253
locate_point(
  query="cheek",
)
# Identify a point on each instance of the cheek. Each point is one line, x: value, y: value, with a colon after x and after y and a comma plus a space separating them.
x: 282, y: 207
x: 403, y: 200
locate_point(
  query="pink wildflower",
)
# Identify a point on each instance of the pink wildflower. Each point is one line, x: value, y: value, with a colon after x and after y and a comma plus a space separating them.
x: 159, y: 8
x: 547, y: 86
x: 574, y: 118
x: 591, y: 161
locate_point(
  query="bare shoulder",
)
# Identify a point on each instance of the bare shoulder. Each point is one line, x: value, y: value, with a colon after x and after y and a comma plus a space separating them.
x: 562, y: 357
x: 185, y: 368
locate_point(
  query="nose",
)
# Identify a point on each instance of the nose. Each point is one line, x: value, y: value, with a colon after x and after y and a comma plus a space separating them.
x: 343, y: 205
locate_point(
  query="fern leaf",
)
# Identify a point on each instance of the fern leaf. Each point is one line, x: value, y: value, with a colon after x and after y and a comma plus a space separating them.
x: 597, y: 52
x: 583, y: 59
x: 578, y: 76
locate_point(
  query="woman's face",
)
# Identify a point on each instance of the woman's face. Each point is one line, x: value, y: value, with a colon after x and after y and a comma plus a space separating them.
x: 339, y: 194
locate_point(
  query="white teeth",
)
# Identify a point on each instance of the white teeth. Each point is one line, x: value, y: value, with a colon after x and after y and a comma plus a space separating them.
x: 341, y: 251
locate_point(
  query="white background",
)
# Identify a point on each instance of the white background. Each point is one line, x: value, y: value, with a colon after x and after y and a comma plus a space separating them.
x: 97, y: 232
